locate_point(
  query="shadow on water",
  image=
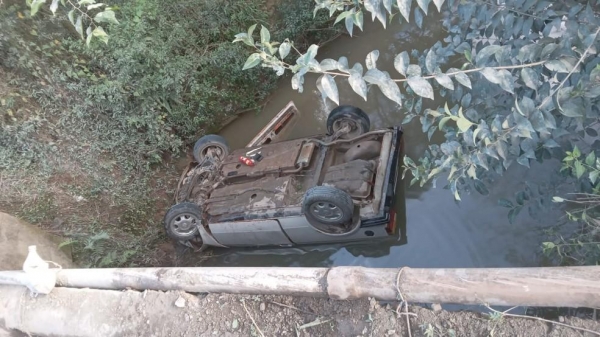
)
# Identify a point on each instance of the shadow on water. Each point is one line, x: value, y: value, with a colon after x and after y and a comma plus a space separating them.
x: 438, y: 232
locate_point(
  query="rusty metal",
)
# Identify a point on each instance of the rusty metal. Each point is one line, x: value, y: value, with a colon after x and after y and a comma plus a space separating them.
x: 271, y: 132
x: 305, y: 154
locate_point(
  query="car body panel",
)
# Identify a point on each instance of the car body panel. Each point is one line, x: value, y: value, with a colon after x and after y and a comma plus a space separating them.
x: 300, y: 231
x: 249, y: 233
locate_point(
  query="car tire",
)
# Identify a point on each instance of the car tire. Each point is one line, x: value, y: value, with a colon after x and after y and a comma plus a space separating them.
x: 357, y: 119
x: 181, y: 221
x: 210, y: 141
x: 327, y: 206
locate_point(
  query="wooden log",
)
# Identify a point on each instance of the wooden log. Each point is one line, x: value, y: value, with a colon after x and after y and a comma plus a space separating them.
x: 559, y: 286
x: 552, y: 287
x: 276, y: 281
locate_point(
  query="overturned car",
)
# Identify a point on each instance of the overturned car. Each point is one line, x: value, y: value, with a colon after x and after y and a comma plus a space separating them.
x: 338, y: 187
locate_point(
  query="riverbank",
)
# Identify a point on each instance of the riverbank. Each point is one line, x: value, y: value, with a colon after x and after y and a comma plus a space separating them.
x: 92, y: 138
x: 153, y: 313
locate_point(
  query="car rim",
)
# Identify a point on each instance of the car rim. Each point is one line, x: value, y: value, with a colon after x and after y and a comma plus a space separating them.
x: 184, y: 224
x: 326, y: 211
x: 355, y: 129
x: 216, y: 150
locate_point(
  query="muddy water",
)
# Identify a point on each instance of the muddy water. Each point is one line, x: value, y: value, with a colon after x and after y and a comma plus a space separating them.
x: 438, y: 232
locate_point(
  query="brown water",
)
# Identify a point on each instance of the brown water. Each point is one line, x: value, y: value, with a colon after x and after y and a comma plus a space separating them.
x: 438, y: 231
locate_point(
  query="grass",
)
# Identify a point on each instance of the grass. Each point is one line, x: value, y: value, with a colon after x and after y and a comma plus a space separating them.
x: 89, y: 173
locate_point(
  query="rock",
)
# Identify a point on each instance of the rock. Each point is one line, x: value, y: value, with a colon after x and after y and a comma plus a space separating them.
x: 391, y: 332
x: 436, y: 307
x: 262, y: 307
x: 180, y: 303
x: 235, y: 324
x: 561, y: 319
x: 187, y: 317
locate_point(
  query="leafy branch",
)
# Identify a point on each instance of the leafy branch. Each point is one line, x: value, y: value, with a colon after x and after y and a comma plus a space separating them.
x: 78, y: 16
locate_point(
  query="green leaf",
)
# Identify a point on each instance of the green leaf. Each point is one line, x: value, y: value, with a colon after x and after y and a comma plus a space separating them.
x: 529, y: 52
x: 558, y: 66
x: 576, y: 153
x: 421, y: 87
x: 284, y: 49
x: 342, y: 16
x: 330, y: 88
x: 252, y: 61
x: 445, y: 120
x: 463, y: 124
x: 251, y: 30
x: 88, y: 40
x: 571, y: 109
x: 438, y: 4
x: 79, y: 26
x: 358, y: 20
x: 390, y: 90
x: 512, y: 214
x: 579, y: 169
x: 424, y: 4
x: 371, y: 59
x: 387, y: 4
x: 375, y: 76
x: 480, y: 187
x: 404, y: 6
x: 349, y: 23
x: 590, y: 159
x: 445, y: 81
x: 265, y: 36
x: 485, y: 53
x: 502, y: 149
x: 94, y: 6
x: 35, y: 6
x: 71, y: 16
x: 100, y: 34
x: 107, y: 16
x: 461, y: 77
x: 500, y: 77
x: 530, y: 78
x: 311, y: 52
x: 594, y: 176
x: 505, y: 203
x: 431, y: 61
x: 358, y: 84
x: 468, y: 56
x: 54, y: 6
x: 401, y: 62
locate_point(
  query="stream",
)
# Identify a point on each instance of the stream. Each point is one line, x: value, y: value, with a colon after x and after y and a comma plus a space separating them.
x: 437, y: 231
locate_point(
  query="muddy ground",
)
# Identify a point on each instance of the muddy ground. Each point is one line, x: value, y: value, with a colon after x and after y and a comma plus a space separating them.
x: 226, y: 315
x: 152, y: 313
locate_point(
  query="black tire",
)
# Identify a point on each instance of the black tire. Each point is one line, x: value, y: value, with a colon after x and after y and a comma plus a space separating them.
x: 210, y: 141
x: 181, y: 220
x: 355, y: 117
x: 327, y: 206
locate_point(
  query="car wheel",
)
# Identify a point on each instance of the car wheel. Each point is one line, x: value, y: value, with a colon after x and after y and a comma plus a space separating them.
x: 181, y: 221
x: 211, y: 144
x: 345, y: 115
x: 326, y: 206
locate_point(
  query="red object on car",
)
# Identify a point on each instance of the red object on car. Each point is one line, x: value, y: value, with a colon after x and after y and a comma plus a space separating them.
x: 246, y: 161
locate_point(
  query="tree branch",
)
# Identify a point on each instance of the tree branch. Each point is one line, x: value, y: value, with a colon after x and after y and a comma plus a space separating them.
x: 547, y: 99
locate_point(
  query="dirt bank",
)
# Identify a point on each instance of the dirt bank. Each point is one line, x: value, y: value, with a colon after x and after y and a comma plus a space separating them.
x: 87, y: 312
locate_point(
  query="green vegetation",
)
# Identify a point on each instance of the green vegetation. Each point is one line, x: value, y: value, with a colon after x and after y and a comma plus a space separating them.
x: 528, y: 90
x: 89, y: 133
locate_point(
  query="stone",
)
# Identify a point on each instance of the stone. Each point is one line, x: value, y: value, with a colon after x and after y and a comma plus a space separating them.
x: 436, y: 307
x: 180, y: 303
x: 262, y: 307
